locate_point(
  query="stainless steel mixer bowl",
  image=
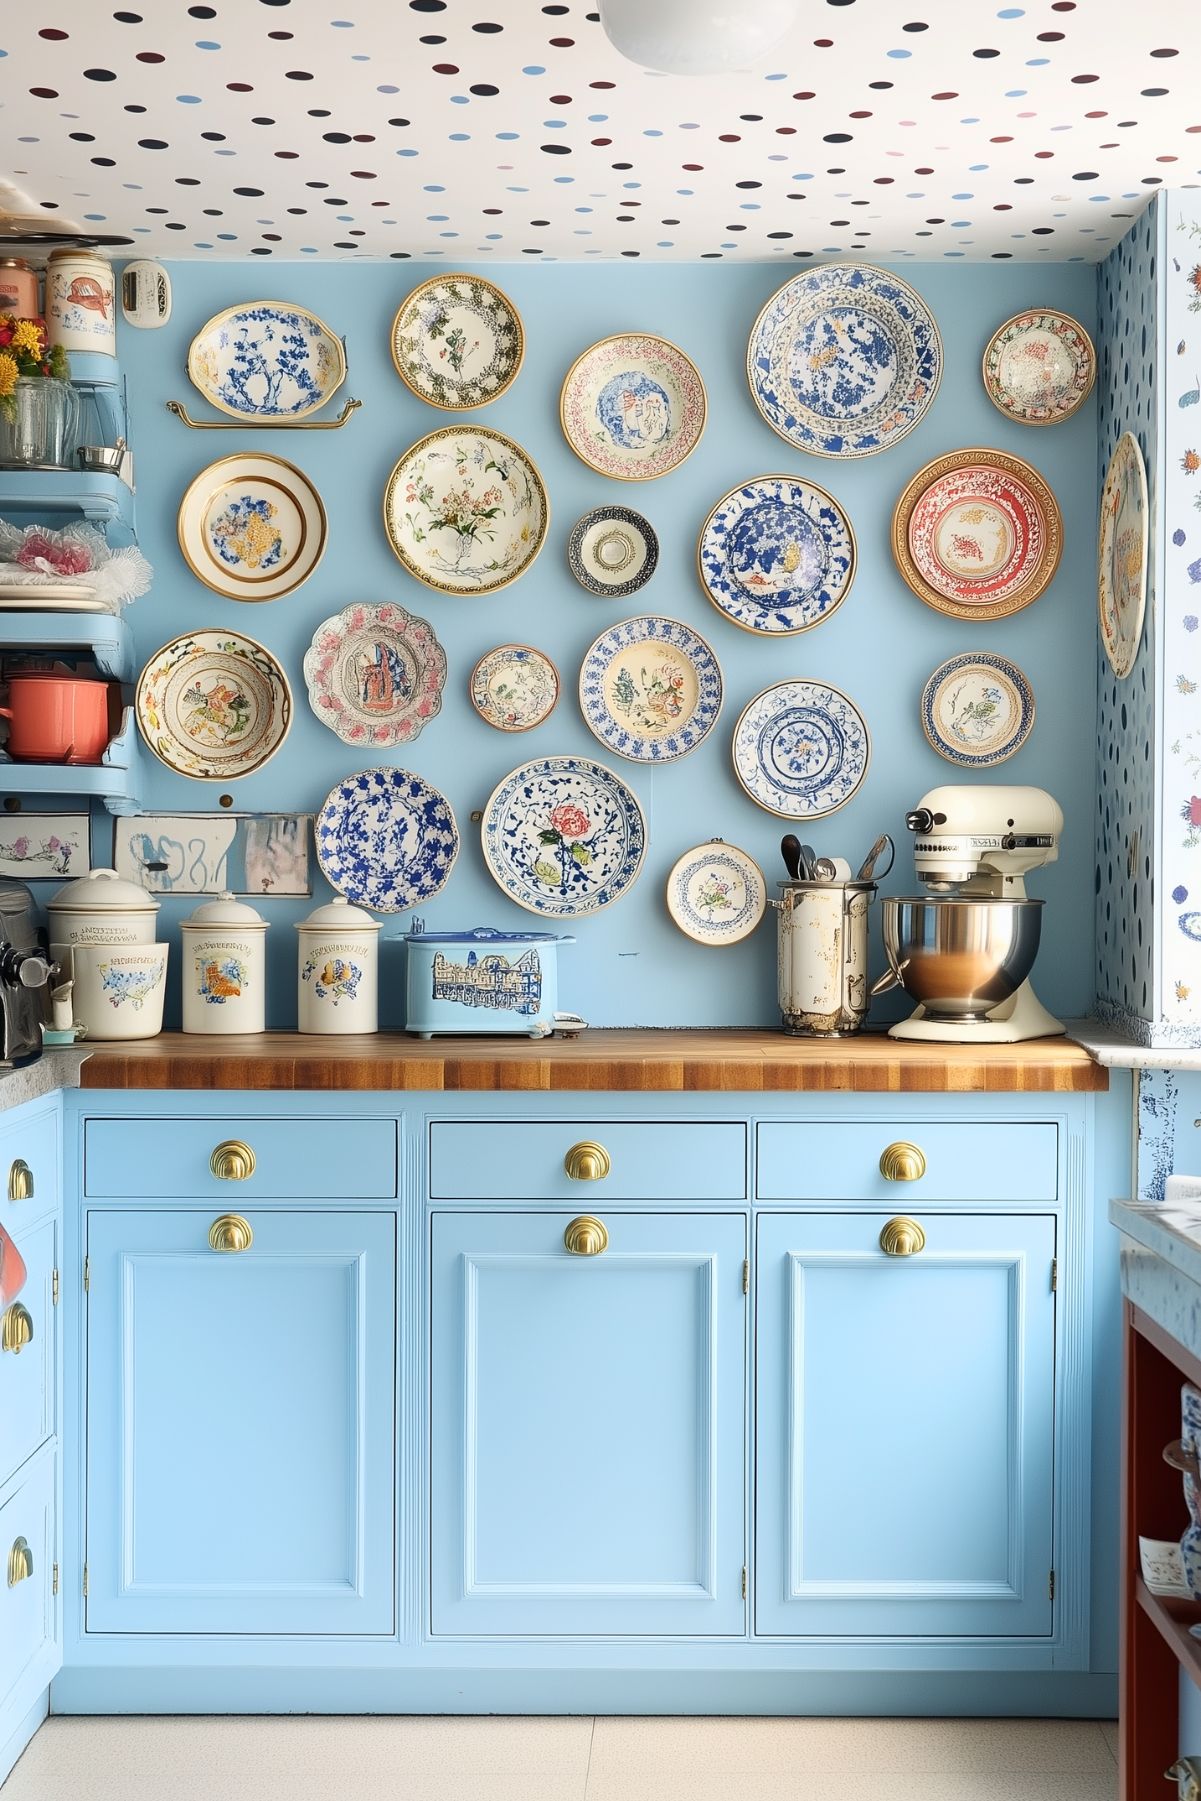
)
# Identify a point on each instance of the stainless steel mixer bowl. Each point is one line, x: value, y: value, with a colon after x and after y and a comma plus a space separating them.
x: 960, y: 957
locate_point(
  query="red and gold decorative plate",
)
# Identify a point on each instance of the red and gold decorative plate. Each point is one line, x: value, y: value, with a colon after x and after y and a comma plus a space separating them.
x: 977, y: 534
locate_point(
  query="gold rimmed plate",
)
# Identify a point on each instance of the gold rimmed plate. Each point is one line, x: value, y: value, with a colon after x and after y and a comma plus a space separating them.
x: 266, y: 359
x: 633, y: 406
x: 1039, y: 366
x: 251, y: 527
x: 465, y: 510
x: 457, y: 342
x: 213, y: 705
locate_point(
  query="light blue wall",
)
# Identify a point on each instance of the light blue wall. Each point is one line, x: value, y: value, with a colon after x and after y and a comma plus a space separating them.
x: 630, y: 965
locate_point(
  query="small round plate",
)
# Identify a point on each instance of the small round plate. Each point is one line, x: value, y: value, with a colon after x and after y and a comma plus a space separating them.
x: 1039, y: 367
x: 776, y: 555
x: 251, y: 527
x: 375, y: 674
x: 1122, y: 555
x: 266, y: 359
x: 465, y: 510
x: 716, y: 893
x: 213, y: 705
x: 613, y: 550
x: 801, y: 749
x: 650, y: 689
x: 977, y: 534
x: 514, y: 687
x: 977, y: 709
x: 457, y: 341
x: 386, y: 839
x: 564, y: 836
x: 633, y: 407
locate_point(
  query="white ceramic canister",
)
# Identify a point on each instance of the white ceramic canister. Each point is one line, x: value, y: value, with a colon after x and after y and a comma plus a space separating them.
x: 100, y: 908
x: 822, y: 941
x: 119, y: 992
x: 224, y: 968
x: 337, y: 979
x: 81, y: 312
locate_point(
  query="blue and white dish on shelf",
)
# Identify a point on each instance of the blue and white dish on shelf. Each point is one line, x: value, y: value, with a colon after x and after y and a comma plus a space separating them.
x: 801, y: 749
x: 650, y: 689
x: 563, y: 836
x: 266, y: 359
x: 716, y: 894
x: 386, y: 839
x: 844, y: 360
x: 977, y: 709
x: 777, y: 555
x: 613, y: 551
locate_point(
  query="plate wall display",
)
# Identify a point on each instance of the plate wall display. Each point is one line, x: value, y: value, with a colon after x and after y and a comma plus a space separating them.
x: 514, y: 687
x: 1039, y: 367
x: 564, y: 836
x: 613, y: 551
x: 251, y: 527
x: 650, y: 689
x: 633, y: 407
x: 977, y: 709
x: 716, y: 893
x: 465, y: 510
x: 1122, y: 555
x: 844, y: 360
x: 375, y: 674
x: 777, y: 555
x: 977, y: 534
x: 801, y: 749
x: 386, y: 839
x: 457, y: 341
x: 213, y: 705
x: 266, y: 359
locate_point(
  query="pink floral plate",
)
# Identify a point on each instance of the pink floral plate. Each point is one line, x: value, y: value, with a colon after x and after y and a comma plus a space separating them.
x: 375, y: 674
x: 633, y: 407
x: 977, y: 534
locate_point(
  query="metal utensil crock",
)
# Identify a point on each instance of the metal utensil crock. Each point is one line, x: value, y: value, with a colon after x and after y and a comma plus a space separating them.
x: 822, y: 948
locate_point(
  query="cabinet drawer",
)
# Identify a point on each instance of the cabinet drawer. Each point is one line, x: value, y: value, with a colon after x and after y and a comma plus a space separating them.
x: 27, y: 1372
x: 29, y: 1170
x: 525, y: 1160
x: 976, y: 1160
x: 27, y: 1607
x: 294, y: 1159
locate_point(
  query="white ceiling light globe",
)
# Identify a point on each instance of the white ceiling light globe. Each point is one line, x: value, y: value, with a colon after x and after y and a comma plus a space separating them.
x: 696, y: 37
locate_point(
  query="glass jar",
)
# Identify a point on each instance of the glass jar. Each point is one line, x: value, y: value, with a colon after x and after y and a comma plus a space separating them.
x: 38, y: 424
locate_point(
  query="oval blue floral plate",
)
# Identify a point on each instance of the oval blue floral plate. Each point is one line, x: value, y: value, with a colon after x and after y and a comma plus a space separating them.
x: 776, y: 555
x: 801, y: 749
x: 251, y: 527
x: 977, y: 709
x: 266, y: 359
x: 564, y: 836
x: 650, y: 689
x: 386, y: 839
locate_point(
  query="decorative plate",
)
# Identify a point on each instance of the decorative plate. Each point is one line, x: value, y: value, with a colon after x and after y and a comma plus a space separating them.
x: 844, y: 360
x: 465, y: 510
x: 977, y: 534
x: 213, y: 705
x: 1122, y: 555
x: 1039, y: 367
x: 613, y: 550
x: 977, y: 709
x: 801, y: 749
x: 777, y: 555
x: 633, y: 407
x: 650, y: 689
x: 386, y: 839
x: 716, y: 893
x: 457, y: 341
x: 251, y: 527
x: 514, y: 687
x: 564, y: 836
x: 266, y: 359
x: 375, y: 674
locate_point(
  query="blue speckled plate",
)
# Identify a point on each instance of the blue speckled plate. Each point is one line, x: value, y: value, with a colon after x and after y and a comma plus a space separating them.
x: 801, y: 749
x: 650, y: 689
x: 977, y: 709
x: 563, y: 836
x: 777, y: 555
x: 386, y: 839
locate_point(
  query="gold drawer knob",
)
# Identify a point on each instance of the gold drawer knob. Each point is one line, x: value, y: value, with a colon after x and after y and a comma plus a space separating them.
x: 902, y: 1162
x: 902, y: 1238
x: 20, y: 1180
x: 587, y: 1162
x: 231, y: 1233
x: 16, y: 1328
x: 20, y: 1562
x: 586, y: 1236
x: 232, y: 1161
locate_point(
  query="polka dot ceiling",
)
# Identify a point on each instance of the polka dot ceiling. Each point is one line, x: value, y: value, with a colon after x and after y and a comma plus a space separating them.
x: 508, y: 129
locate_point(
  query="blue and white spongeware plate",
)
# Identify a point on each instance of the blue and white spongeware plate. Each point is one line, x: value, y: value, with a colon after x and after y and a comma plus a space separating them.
x: 844, y: 360
x: 650, y: 689
x: 612, y: 551
x: 251, y: 527
x: 564, y: 836
x: 777, y: 555
x: 716, y: 894
x: 977, y: 709
x: 266, y: 359
x: 801, y: 749
x: 386, y: 839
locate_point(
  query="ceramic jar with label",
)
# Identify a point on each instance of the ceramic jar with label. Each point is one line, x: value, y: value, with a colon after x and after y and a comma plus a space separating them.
x: 18, y: 288
x: 337, y: 980
x: 100, y: 909
x: 224, y: 968
x: 81, y: 301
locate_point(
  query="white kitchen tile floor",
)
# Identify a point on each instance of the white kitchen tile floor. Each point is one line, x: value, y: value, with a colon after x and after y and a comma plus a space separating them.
x: 492, y: 1759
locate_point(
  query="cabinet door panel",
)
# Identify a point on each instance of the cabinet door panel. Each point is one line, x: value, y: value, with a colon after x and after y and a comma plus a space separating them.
x: 27, y: 1606
x: 27, y: 1375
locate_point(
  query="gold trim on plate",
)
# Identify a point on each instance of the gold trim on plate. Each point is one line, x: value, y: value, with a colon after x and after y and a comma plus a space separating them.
x: 453, y: 431
x: 814, y: 682
x: 715, y: 944
x: 245, y: 306
x: 513, y: 730
x: 795, y: 630
x: 223, y: 775
x: 437, y: 281
x: 1026, y: 313
x: 242, y: 458
x: 616, y: 337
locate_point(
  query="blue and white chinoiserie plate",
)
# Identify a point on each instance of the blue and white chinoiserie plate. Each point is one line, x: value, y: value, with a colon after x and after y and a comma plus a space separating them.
x: 716, y: 893
x: 844, y: 360
x: 251, y: 527
x: 564, y: 836
x: 801, y: 749
x: 777, y: 555
x: 386, y: 839
x: 613, y: 551
x: 266, y: 359
x: 650, y: 689
x: 977, y: 709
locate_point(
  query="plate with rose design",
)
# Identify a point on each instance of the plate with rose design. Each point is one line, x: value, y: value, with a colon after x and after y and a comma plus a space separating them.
x: 1039, y: 367
x: 633, y: 407
x: 977, y: 534
x: 465, y: 510
x: 1122, y: 555
x: 457, y: 341
x: 386, y: 839
x: 613, y: 550
x: 514, y: 687
x: 564, y: 836
x: 716, y: 893
x: 977, y: 709
x: 777, y: 555
x: 251, y: 527
x: 375, y: 674
x: 801, y: 749
x: 650, y: 689
x: 213, y: 705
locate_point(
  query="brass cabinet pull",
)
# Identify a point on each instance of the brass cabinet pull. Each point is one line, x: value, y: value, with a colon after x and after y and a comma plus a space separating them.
x: 902, y: 1238
x: 16, y: 1328
x: 20, y: 1180
x: 20, y: 1562
x: 586, y: 1236
x: 902, y: 1162
x: 231, y: 1233
x: 232, y: 1161
x: 588, y: 1162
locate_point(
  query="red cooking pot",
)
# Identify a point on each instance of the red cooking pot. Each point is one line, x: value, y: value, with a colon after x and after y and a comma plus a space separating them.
x: 56, y: 719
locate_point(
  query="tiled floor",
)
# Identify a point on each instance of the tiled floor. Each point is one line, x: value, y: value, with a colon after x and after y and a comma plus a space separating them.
x: 566, y: 1760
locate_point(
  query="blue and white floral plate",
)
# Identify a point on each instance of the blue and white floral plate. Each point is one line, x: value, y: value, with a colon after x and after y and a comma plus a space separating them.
x: 564, y: 836
x: 613, y: 551
x: 801, y: 749
x: 977, y: 709
x: 251, y: 527
x: 386, y: 839
x: 716, y: 893
x: 266, y: 359
x: 844, y: 360
x: 777, y: 555
x: 650, y: 689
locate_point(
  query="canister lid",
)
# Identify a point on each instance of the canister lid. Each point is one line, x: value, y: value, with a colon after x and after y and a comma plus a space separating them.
x: 225, y: 911
x: 100, y: 891
x: 338, y: 916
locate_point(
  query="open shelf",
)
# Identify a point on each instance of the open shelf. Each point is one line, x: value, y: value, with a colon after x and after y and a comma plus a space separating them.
x: 1172, y: 1619
x: 103, y: 637
x: 45, y: 496
x: 116, y: 780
